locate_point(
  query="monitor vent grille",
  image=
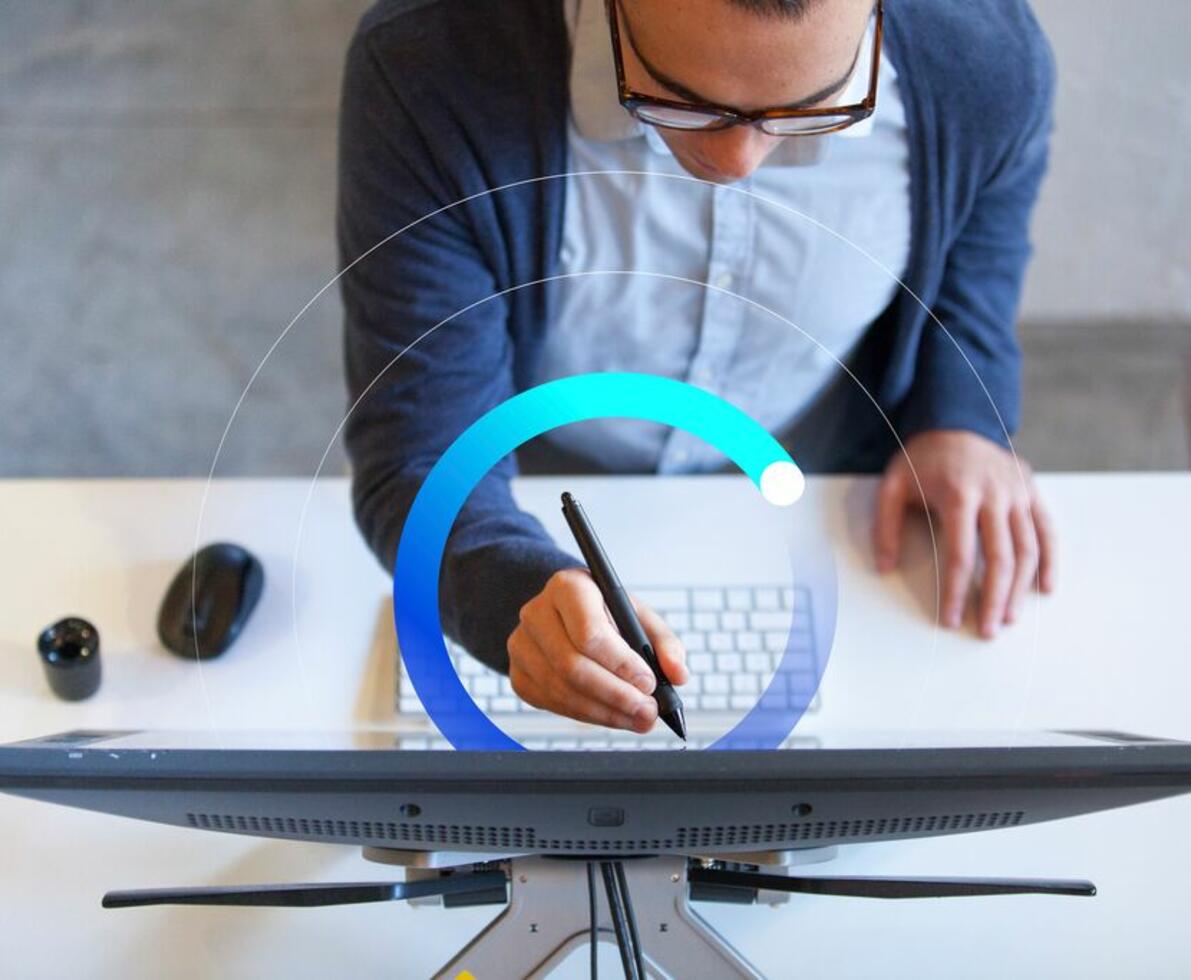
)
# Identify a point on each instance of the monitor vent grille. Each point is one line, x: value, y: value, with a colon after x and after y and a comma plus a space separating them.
x: 525, y: 838
x: 359, y: 830
x: 817, y: 830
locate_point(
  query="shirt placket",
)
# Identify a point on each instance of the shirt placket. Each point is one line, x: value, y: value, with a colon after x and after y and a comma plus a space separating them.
x: 721, y: 323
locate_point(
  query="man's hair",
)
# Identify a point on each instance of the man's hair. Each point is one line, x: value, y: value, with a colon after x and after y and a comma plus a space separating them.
x: 791, y: 9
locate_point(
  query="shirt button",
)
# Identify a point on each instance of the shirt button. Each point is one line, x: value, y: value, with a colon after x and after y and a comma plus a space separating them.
x: 723, y: 280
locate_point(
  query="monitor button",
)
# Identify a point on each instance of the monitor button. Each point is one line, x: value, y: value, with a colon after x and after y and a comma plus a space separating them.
x: 605, y: 816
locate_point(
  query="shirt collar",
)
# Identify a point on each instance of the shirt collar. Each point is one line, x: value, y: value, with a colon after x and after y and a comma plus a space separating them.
x: 598, y: 115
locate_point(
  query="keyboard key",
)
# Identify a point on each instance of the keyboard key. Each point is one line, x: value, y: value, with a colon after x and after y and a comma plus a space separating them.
x: 693, y: 641
x: 715, y: 684
x: 768, y: 599
x: 678, y: 620
x: 700, y: 663
x: 707, y: 599
x: 714, y: 702
x: 745, y: 684
x: 740, y: 599
x: 720, y: 641
x: 734, y: 622
x: 663, y: 599
x: 705, y: 621
x: 729, y: 663
x: 769, y: 621
x: 506, y: 704
x: 410, y: 705
x: 775, y: 641
x: 758, y: 663
x: 485, y: 686
x: 739, y: 701
x: 748, y: 640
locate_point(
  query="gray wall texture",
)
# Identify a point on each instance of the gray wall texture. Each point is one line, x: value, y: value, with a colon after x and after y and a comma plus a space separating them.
x: 166, y: 206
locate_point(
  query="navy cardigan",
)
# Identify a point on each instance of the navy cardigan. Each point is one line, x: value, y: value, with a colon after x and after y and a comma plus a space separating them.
x: 445, y: 100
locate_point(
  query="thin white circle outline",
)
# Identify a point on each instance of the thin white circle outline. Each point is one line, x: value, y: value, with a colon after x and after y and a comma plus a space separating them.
x: 640, y: 173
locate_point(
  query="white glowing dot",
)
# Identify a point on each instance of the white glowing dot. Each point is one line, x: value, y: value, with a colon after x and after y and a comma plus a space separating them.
x: 782, y: 483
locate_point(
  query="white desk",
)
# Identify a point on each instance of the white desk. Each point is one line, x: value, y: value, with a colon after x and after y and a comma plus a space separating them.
x: 1110, y: 649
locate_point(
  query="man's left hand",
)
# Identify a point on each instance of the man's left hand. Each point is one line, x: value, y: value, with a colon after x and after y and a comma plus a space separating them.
x: 981, y: 494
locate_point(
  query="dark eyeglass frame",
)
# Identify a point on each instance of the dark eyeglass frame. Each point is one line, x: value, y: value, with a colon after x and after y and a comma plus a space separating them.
x: 728, y: 117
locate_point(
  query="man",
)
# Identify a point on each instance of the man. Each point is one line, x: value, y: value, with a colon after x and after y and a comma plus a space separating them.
x: 753, y: 280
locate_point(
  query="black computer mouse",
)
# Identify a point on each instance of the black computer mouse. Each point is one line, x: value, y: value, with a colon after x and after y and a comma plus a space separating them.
x: 224, y: 581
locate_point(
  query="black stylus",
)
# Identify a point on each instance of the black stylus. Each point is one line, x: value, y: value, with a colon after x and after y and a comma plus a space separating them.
x: 623, y: 614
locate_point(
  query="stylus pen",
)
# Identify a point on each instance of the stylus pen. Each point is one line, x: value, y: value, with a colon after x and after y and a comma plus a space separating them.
x: 623, y: 614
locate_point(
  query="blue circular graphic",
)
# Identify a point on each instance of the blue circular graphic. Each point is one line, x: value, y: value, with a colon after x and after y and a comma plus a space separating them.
x: 514, y: 422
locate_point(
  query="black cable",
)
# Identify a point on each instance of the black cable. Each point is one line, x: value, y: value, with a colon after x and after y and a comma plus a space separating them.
x: 623, y: 882
x: 615, y: 906
x: 592, y: 935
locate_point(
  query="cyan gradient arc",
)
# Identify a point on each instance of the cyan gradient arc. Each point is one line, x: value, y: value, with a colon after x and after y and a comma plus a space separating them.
x: 489, y: 439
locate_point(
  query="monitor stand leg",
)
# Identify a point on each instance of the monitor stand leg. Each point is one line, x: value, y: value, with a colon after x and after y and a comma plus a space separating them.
x: 548, y: 917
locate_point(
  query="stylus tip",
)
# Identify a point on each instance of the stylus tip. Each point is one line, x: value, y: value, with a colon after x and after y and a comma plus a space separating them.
x: 675, y: 722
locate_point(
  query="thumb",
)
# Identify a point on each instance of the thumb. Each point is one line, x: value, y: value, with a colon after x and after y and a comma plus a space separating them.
x: 891, y: 512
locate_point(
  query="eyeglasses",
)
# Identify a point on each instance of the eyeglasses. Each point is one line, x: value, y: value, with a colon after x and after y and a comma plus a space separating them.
x: 698, y: 116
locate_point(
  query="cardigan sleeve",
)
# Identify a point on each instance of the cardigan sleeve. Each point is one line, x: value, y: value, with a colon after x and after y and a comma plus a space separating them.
x: 427, y: 351
x: 968, y: 370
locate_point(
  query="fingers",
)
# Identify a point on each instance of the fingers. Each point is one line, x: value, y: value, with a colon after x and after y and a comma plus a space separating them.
x: 891, y: 511
x: 537, y: 683
x: 572, y: 685
x: 959, y: 557
x: 999, y: 566
x: 1025, y: 547
x: 1044, y: 529
x: 593, y: 634
x: 566, y: 656
x: 669, y: 649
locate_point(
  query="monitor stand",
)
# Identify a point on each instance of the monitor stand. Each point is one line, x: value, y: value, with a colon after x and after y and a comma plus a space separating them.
x: 548, y: 914
x: 547, y: 903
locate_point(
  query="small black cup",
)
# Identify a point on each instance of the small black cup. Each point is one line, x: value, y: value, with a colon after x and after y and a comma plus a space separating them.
x: 70, y: 655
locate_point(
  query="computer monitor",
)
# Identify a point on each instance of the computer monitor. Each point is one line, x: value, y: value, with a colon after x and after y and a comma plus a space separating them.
x: 365, y: 789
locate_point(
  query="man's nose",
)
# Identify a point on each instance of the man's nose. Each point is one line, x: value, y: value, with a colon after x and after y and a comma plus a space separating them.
x: 735, y: 153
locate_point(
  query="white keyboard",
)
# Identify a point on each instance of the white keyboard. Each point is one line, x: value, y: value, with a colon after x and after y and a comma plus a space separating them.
x: 734, y: 636
x: 597, y: 740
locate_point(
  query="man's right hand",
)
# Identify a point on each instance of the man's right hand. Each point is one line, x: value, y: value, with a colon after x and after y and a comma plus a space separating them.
x: 567, y: 656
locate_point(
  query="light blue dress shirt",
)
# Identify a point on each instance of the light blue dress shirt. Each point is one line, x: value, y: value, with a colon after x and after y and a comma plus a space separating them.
x: 731, y: 288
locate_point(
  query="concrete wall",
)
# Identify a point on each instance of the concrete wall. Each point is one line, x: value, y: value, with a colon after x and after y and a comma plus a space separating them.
x: 166, y: 201
x: 1113, y: 229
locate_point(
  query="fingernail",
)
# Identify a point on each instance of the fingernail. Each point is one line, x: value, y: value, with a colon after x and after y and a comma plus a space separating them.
x: 645, y: 712
x: 644, y: 682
